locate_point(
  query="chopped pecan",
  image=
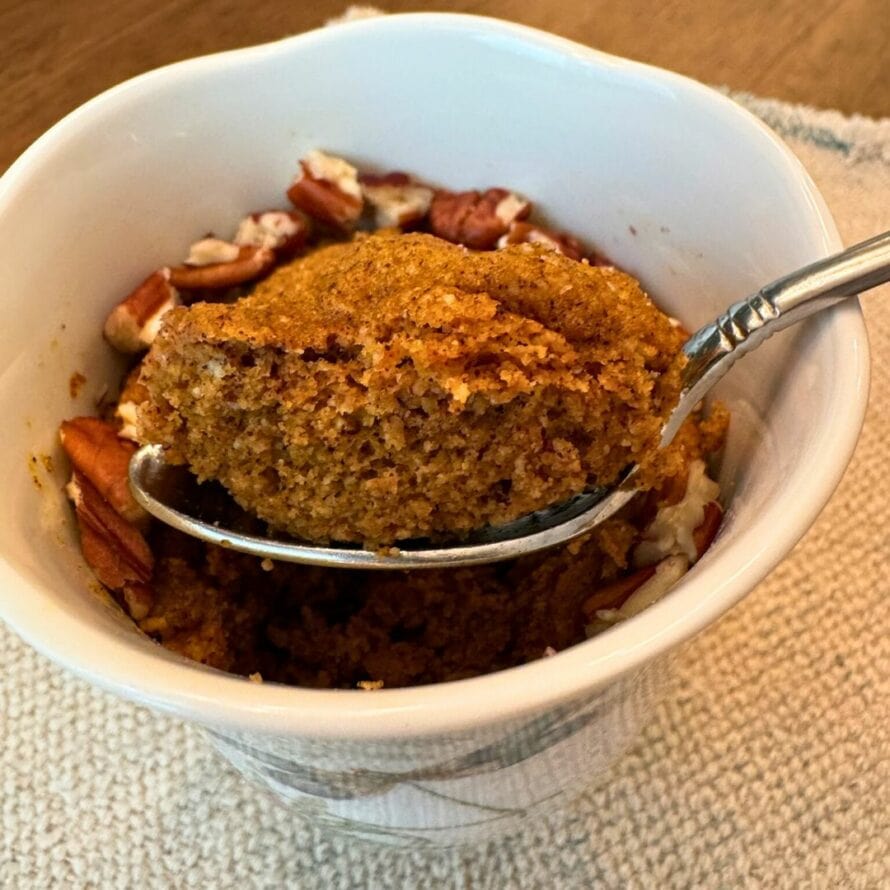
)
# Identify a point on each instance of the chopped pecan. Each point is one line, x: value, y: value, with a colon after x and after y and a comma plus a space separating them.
x: 600, y: 259
x: 127, y: 414
x: 284, y: 231
x: 394, y: 178
x: 527, y: 233
x: 327, y: 188
x: 138, y: 598
x: 673, y: 489
x: 670, y: 492
x: 615, y: 593
x: 133, y: 324
x: 133, y: 394
x: 211, y: 251
x: 667, y: 573
x: 99, y: 454
x: 248, y: 264
x: 672, y: 529
x: 133, y: 389
x: 114, y: 548
x: 476, y: 219
x: 704, y: 535
x: 398, y: 201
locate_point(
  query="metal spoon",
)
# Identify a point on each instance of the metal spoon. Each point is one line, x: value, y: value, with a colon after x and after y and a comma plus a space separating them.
x: 173, y: 495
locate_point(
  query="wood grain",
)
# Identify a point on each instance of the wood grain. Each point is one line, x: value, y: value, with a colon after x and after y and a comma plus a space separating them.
x: 828, y: 53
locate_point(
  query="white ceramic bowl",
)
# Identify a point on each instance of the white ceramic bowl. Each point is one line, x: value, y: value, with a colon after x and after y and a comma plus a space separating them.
x: 672, y: 180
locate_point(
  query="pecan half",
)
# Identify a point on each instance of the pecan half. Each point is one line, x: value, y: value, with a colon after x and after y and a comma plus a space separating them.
x: 397, y: 200
x: 476, y: 219
x: 527, y: 233
x: 113, y: 548
x: 99, y: 454
x: 133, y: 324
x: 284, y: 231
x: 248, y: 264
x: 327, y: 188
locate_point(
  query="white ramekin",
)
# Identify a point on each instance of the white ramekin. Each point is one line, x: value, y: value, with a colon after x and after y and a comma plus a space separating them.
x: 670, y: 179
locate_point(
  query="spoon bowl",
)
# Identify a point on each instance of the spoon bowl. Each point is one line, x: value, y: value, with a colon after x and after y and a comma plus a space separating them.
x: 174, y: 495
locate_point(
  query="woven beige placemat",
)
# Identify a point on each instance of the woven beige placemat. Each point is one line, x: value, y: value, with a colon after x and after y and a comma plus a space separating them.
x: 768, y: 767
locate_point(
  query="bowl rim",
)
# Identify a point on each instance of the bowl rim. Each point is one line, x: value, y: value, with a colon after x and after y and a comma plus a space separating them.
x: 214, y: 698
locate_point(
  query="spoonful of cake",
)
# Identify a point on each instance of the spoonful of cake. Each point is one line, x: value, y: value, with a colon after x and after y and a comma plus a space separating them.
x: 433, y: 406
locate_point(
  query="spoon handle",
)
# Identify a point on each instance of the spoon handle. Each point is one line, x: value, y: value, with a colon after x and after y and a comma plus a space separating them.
x: 826, y: 282
x: 715, y: 348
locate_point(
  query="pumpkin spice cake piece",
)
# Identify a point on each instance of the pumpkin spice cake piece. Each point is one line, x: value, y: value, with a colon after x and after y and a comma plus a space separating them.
x: 399, y: 386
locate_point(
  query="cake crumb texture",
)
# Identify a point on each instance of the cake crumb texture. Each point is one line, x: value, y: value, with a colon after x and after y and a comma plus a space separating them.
x: 398, y: 386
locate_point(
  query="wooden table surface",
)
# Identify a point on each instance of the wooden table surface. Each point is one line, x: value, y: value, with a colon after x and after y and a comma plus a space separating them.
x: 828, y: 53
